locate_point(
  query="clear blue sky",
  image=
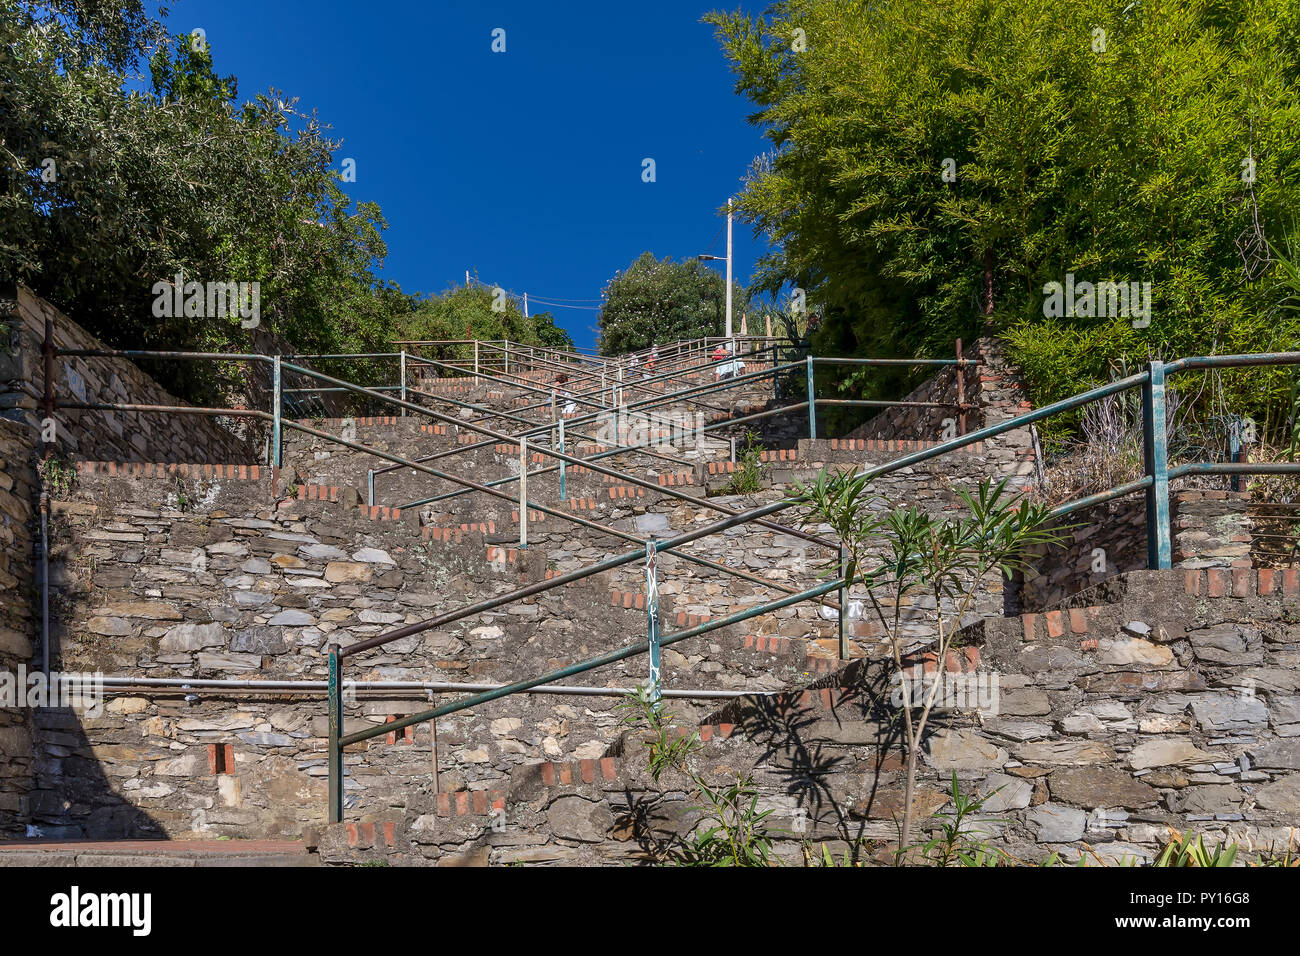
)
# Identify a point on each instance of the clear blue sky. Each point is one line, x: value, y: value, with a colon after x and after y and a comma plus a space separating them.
x: 524, y: 166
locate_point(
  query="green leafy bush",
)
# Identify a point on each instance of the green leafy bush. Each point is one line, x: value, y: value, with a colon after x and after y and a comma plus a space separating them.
x: 936, y: 163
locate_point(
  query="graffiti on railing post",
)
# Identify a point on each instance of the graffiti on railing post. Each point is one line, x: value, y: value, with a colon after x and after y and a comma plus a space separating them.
x: 652, y: 616
x: 335, y: 759
x: 276, y: 398
x: 961, y: 391
x: 563, y: 463
x: 523, y: 493
x: 1241, y: 432
x: 812, y: 402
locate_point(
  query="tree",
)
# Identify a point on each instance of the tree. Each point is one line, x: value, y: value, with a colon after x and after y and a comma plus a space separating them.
x: 467, y: 312
x: 935, y: 164
x: 657, y: 301
x: 109, y: 190
x: 906, y: 558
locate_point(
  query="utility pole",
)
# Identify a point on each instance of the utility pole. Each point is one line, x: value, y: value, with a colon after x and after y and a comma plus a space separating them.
x: 728, y: 269
x: 705, y: 257
x: 525, y: 305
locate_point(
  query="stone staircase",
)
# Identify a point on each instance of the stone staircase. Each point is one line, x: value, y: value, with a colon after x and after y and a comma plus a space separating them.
x: 1121, y: 711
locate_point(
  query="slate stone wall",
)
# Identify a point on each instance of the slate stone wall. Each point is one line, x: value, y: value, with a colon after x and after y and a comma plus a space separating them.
x: 1158, y: 702
x: 91, y: 434
x: 19, y: 615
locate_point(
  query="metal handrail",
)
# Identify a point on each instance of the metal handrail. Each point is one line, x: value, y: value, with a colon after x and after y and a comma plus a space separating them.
x: 581, y: 420
x: 675, y: 371
x: 1155, y: 485
x: 612, y: 657
x: 524, y: 504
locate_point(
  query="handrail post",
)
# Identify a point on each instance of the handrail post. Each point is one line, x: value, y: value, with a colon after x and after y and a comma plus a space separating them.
x: 961, y: 392
x: 1235, y: 447
x: 507, y: 350
x: 523, y: 493
x: 812, y: 403
x: 476, y: 357
x: 403, y: 383
x: 652, y: 617
x: 1155, y: 453
x: 335, y: 732
x: 562, y: 461
x: 276, y: 391
x: 370, y: 487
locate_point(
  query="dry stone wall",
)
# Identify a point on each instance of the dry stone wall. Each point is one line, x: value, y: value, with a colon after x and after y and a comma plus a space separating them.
x: 91, y: 434
x: 1210, y: 529
x: 19, y: 615
x: 1159, y: 701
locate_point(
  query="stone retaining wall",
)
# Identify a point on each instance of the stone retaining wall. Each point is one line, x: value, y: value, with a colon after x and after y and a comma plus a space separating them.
x: 91, y: 434
x: 1162, y: 702
x: 1210, y: 529
x: 19, y: 615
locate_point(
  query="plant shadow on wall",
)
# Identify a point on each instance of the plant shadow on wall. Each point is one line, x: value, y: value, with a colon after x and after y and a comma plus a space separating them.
x: 791, y: 732
x: 901, y: 558
x: 729, y: 828
x: 907, y: 557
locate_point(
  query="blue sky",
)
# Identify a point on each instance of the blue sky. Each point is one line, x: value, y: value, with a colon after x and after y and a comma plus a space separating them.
x: 523, y: 166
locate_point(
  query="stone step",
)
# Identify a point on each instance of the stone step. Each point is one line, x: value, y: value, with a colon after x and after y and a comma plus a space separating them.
x: 152, y: 853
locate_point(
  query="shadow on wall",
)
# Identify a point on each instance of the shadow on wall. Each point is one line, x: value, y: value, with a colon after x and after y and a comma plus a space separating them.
x: 812, y: 739
x: 1100, y: 542
x: 74, y: 798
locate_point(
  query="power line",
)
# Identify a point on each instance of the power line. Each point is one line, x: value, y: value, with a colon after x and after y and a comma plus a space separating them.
x: 560, y: 298
x: 713, y: 241
x: 552, y: 302
x: 561, y: 305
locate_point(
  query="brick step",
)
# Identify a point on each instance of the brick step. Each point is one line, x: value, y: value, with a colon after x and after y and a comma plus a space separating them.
x: 615, y: 493
x: 461, y: 803
x: 637, y: 601
x: 742, y: 411
x: 361, y: 421
x: 493, y: 554
x: 336, y: 493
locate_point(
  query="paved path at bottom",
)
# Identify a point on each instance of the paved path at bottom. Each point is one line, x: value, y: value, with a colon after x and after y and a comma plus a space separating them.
x: 156, y: 853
